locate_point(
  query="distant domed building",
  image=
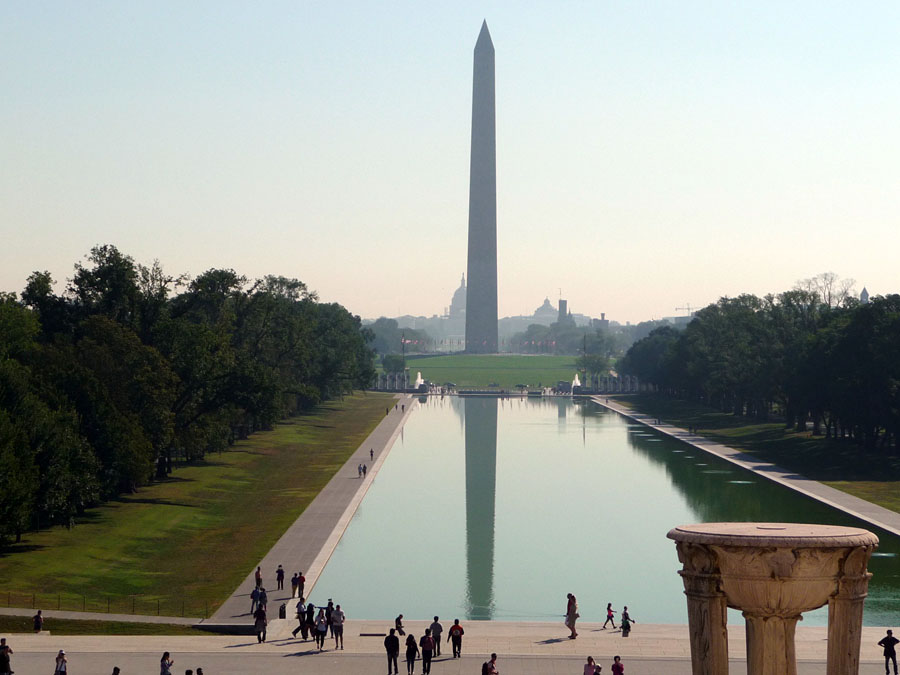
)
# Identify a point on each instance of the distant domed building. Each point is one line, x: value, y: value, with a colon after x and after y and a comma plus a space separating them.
x: 546, y: 313
x: 458, y: 303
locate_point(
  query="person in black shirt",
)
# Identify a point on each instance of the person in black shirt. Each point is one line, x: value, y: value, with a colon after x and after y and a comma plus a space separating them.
x: 392, y: 647
x: 5, y: 652
x: 889, y: 642
x: 311, y: 618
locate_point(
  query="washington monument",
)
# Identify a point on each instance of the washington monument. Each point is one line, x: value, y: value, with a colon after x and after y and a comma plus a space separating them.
x: 481, y: 293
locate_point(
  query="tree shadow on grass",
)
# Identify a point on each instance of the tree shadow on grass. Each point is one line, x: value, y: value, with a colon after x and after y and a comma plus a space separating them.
x: 21, y: 547
x: 156, y: 502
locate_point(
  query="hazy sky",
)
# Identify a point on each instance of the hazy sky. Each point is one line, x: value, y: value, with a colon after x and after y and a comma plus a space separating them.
x: 650, y: 154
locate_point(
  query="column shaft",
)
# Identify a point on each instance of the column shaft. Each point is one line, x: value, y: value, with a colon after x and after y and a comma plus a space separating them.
x: 770, y: 645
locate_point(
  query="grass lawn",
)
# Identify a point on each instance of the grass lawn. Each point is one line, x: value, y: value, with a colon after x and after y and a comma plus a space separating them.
x: 840, y: 464
x: 180, y: 547
x: 507, y: 370
x: 22, y: 624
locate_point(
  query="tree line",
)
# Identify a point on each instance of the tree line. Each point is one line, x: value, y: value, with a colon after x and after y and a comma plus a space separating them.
x: 807, y: 356
x: 105, y: 384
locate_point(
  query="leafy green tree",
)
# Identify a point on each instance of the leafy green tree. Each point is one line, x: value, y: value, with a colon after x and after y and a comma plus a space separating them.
x: 593, y: 363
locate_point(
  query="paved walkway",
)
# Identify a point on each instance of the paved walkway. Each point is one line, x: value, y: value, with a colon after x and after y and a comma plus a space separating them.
x: 529, y: 648
x: 98, y: 616
x: 308, y: 544
x: 862, y: 509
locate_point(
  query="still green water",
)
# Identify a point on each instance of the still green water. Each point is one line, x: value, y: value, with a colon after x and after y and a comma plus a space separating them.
x: 492, y: 508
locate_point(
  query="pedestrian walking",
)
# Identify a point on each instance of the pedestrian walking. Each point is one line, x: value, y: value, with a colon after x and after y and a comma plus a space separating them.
x: 365, y: 468
x: 294, y: 581
x: 258, y: 576
x: 321, y: 629
x: 571, y: 614
x: 627, y: 621
x: 455, y: 636
x: 398, y: 624
x: 359, y: 470
x: 371, y: 455
x: 5, y: 662
x: 618, y: 668
x: 254, y: 600
x: 412, y: 651
x: 427, y: 645
x: 590, y: 668
x: 263, y: 598
x: 889, y: 642
x: 301, y: 619
x: 279, y: 578
x: 436, y: 631
x: 392, y: 648
x: 301, y: 583
x: 311, y: 619
x: 490, y: 667
x: 165, y: 664
x: 329, y: 609
x: 337, y: 626
x: 116, y: 670
x: 609, y: 616
x: 38, y: 622
x: 261, y: 621
x: 62, y: 663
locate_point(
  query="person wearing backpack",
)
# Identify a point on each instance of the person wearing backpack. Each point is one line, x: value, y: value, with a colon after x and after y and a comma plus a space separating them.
x: 427, y: 645
x: 490, y: 667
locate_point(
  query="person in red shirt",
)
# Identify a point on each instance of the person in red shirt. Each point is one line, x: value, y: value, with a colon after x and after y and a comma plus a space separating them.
x: 617, y: 667
x: 454, y: 635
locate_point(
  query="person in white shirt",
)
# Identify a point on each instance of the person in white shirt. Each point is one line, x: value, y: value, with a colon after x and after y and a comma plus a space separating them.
x: 337, y: 625
x: 301, y: 617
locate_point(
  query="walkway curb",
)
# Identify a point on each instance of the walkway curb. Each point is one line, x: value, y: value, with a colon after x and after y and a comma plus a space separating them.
x: 858, y: 508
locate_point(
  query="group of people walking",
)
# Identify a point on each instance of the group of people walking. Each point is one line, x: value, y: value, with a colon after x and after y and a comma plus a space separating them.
x: 318, y: 622
x: 625, y: 623
x: 572, y: 616
x: 426, y: 647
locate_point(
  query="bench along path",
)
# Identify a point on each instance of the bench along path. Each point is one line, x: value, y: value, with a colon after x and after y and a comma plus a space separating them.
x: 308, y: 544
x: 862, y: 509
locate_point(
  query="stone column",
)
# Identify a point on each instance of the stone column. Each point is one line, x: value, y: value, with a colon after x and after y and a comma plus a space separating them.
x: 845, y: 612
x: 707, y: 609
x: 774, y: 572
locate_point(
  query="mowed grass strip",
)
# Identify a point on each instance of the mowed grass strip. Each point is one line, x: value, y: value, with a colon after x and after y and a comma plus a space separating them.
x: 506, y: 370
x: 181, y: 546
x: 843, y: 465
x: 22, y: 624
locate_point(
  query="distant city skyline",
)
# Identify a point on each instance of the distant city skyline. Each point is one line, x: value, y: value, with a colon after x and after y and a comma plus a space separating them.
x: 648, y: 156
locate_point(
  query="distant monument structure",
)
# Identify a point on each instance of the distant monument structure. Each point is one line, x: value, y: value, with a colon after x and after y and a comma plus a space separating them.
x: 481, y: 292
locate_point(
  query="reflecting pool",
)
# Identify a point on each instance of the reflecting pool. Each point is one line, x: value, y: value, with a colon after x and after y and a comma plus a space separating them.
x: 492, y: 508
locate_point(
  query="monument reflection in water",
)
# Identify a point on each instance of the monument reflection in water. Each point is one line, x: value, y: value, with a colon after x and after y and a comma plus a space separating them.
x: 480, y: 419
x: 491, y: 508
